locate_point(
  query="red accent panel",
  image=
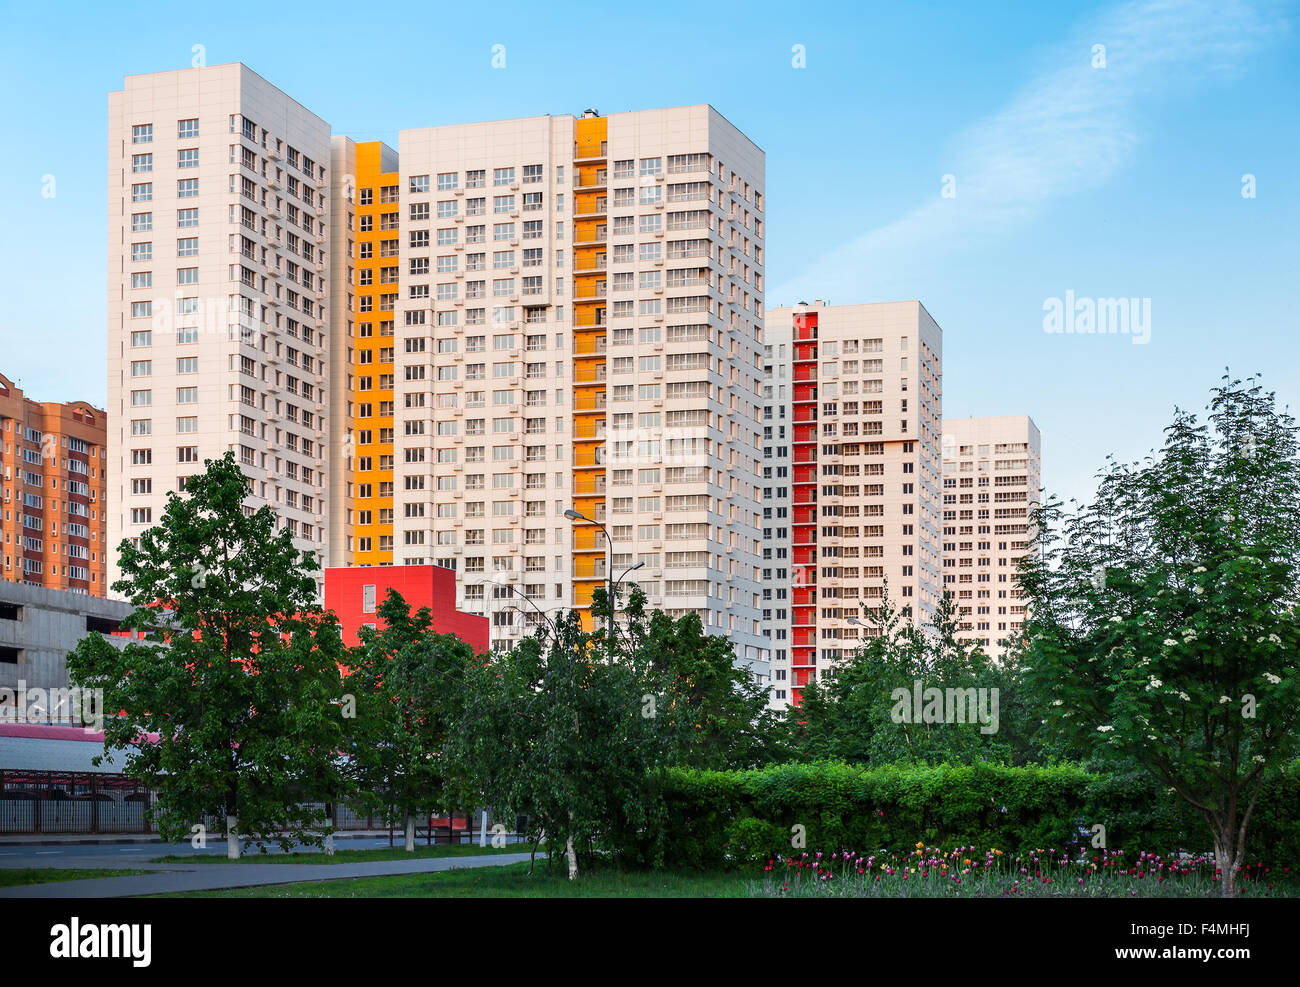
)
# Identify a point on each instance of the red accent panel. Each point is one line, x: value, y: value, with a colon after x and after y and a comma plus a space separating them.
x: 429, y: 586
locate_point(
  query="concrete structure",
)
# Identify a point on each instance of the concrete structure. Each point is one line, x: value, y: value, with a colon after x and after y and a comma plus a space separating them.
x: 52, y: 459
x: 217, y: 291
x: 356, y: 593
x: 851, y: 472
x: 579, y: 325
x: 991, y: 478
x: 38, y: 627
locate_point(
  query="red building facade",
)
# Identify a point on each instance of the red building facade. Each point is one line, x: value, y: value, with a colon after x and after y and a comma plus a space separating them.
x: 355, y: 594
x: 803, y: 652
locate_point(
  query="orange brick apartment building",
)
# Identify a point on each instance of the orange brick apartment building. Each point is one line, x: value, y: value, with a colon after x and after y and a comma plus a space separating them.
x: 52, y: 526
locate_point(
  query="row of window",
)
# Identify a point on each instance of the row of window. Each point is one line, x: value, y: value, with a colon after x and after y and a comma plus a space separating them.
x: 142, y: 133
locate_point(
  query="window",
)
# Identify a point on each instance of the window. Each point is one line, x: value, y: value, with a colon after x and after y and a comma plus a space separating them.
x: 187, y: 247
x: 187, y: 188
x: 187, y: 158
x: 141, y: 163
x: 187, y: 129
x: 186, y: 218
x: 142, y: 133
x: 142, y: 193
x: 503, y: 176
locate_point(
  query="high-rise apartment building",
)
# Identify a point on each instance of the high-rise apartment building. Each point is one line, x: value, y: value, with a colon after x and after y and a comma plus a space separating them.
x: 529, y: 318
x: 579, y: 327
x: 991, y: 479
x: 52, y: 459
x: 217, y: 295
x: 851, y: 474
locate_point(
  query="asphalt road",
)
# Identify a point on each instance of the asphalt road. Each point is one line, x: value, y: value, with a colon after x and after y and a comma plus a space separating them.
x: 128, y: 854
x: 178, y: 877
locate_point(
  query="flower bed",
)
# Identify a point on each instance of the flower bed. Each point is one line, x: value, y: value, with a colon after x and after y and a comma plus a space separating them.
x: 964, y: 872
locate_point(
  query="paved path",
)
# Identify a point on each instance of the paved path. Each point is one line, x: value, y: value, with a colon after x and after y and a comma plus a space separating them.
x: 136, y: 853
x: 172, y: 878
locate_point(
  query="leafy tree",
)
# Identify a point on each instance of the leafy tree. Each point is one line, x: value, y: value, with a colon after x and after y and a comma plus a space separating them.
x: 708, y: 711
x: 558, y: 730
x: 408, y: 683
x: 1162, y: 624
x: 237, y: 673
x: 854, y: 714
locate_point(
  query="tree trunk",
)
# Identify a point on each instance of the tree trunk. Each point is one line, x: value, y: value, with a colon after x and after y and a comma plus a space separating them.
x: 1227, y: 862
x: 232, y: 837
x: 570, y: 852
x: 410, y: 833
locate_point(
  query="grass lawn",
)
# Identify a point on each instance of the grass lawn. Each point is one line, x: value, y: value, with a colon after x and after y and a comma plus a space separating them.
x: 509, y: 881
x: 344, y: 856
x: 10, y: 878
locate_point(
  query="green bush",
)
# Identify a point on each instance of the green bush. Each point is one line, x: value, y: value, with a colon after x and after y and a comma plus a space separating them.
x: 716, y: 818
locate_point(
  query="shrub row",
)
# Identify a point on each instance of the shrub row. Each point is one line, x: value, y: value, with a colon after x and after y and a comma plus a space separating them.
x: 720, y: 817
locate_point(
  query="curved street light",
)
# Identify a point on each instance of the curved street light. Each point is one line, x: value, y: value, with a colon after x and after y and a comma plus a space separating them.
x: 612, y: 584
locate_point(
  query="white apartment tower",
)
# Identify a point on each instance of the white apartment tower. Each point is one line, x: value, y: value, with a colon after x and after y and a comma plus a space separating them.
x: 991, y: 480
x: 217, y: 295
x: 579, y: 327
x: 851, y: 474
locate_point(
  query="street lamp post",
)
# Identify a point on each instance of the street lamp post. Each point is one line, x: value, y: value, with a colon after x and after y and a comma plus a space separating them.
x: 611, y: 583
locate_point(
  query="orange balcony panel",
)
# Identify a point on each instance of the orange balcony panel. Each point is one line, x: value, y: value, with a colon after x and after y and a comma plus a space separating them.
x: 589, y: 372
x: 589, y: 400
x: 587, y: 537
x: 805, y: 372
x: 588, y: 454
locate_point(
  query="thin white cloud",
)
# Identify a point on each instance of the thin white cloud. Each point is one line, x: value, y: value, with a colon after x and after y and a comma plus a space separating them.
x: 1068, y: 129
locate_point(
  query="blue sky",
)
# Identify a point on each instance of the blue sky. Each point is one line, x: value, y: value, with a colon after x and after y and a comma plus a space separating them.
x: 1115, y: 181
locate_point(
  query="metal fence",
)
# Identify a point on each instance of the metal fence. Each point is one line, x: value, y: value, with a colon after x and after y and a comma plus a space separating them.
x: 72, y: 803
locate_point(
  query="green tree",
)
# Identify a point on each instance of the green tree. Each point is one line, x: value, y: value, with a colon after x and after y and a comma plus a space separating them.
x: 556, y: 727
x: 408, y: 683
x: 708, y: 710
x: 854, y: 714
x: 1162, y: 623
x: 237, y: 673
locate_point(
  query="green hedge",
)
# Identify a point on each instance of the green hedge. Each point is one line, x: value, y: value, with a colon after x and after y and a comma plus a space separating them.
x: 720, y: 817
